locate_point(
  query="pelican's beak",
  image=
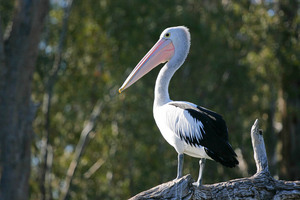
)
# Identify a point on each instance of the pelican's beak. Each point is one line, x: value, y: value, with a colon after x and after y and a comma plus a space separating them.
x: 161, y: 52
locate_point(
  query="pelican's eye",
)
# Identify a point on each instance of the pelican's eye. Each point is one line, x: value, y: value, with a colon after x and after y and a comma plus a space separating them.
x: 167, y: 35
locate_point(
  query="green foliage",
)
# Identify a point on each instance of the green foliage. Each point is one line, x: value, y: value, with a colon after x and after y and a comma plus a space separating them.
x: 233, y: 68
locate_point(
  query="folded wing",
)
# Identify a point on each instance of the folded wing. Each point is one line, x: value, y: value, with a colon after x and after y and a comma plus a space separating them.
x: 198, y: 126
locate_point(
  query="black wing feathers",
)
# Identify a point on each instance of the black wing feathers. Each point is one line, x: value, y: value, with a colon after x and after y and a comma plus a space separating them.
x: 221, y: 128
x: 215, y: 138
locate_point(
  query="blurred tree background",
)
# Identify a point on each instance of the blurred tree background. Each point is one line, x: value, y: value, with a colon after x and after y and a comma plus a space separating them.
x: 244, y: 63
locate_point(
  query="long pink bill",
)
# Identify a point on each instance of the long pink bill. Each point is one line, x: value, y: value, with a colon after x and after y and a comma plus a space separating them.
x: 161, y: 52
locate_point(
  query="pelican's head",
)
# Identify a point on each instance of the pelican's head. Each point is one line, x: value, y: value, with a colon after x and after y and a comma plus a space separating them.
x: 172, y: 46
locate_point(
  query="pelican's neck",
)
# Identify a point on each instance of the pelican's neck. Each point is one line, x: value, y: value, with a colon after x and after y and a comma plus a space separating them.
x: 161, y: 91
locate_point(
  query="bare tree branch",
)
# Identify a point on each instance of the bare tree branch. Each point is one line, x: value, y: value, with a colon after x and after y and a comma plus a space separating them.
x: 84, y: 137
x: 94, y: 168
x: 260, y: 154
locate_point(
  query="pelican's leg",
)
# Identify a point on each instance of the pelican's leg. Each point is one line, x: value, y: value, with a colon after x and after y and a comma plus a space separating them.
x: 180, y: 165
x: 202, y: 165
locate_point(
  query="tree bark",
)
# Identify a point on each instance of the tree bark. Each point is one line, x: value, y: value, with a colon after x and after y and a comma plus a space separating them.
x: 259, y: 186
x: 18, y: 53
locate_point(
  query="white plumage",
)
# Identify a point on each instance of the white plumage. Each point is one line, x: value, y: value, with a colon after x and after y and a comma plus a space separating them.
x: 172, y: 121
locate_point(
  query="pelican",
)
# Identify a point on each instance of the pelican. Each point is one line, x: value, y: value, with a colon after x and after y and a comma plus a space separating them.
x: 190, y: 129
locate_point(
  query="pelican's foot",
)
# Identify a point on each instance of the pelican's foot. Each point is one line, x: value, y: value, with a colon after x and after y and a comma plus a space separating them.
x: 197, y: 184
x: 177, y: 178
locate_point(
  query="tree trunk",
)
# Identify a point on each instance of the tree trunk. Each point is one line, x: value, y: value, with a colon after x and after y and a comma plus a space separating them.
x: 18, y: 53
x: 260, y: 186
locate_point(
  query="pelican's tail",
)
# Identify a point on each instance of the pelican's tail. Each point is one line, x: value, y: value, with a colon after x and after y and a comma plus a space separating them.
x: 227, y: 157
